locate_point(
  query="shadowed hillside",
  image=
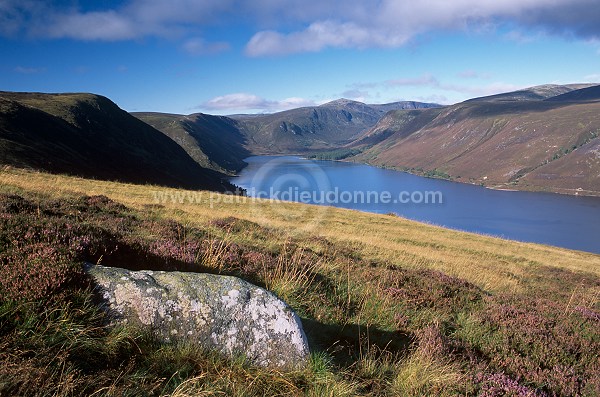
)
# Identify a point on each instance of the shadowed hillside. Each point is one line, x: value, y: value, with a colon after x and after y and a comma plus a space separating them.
x: 584, y: 94
x: 212, y: 141
x: 88, y: 135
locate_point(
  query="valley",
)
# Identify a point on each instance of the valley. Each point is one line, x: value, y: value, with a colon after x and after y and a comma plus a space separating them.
x: 300, y: 198
x: 542, y: 139
x: 389, y: 306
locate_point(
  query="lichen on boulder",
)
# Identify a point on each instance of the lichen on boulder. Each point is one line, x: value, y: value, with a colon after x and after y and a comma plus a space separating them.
x: 222, y: 313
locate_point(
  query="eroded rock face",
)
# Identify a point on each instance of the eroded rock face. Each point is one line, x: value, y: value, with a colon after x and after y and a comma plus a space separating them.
x: 219, y: 312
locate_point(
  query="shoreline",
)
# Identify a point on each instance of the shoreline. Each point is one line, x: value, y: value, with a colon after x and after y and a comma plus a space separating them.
x: 398, y: 209
x: 562, y: 191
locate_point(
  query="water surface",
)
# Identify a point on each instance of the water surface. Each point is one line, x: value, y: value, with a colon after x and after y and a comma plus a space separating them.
x: 560, y: 220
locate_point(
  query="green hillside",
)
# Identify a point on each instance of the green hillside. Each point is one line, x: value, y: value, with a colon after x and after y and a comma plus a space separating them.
x: 88, y: 135
x: 212, y: 141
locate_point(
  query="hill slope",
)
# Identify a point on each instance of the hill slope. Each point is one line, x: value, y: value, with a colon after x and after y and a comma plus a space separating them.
x: 212, y: 141
x: 443, y: 313
x: 535, y: 144
x: 88, y: 135
x: 585, y: 94
x: 313, y: 128
x: 539, y: 92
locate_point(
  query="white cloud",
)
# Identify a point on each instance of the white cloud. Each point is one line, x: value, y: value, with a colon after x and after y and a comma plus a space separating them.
x: 320, y: 35
x: 472, y: 74
x: 481, y: 90
x: 250, y: 102
x: 14, y: 14
x: 468, y: 74
x: 424, y: 80
x: 356, y: 95
x: 28, y: 70
x: 592, y: 78
x: 427, y: 80
x: 108, y: 25
x: 132, y: 20
x: 297, y: 26
x: 521, y: 37
x: 198, y: 46
x: 392, y: 23
x: 439, y: 99
x: 245, y: 102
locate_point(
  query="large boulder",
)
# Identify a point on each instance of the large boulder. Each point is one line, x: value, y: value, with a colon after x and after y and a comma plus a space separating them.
x: 221, y: 313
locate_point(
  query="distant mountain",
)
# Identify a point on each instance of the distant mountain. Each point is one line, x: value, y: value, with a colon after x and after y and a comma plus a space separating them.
x: 404, y: 105
x: 533, y: 93
x: 214, y: 142
x: 220, y: 142
x: 540, y: 138
x: 88, y: 135
x: 312, y: 128
x: 540, y: 144
x: 585, y: 94
x: 381, y: 109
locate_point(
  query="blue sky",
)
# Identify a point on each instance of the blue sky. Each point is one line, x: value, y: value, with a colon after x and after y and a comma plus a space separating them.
x: 232, y: 56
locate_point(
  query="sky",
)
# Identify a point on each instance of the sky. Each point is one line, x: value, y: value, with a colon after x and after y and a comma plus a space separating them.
x: 262, y: 56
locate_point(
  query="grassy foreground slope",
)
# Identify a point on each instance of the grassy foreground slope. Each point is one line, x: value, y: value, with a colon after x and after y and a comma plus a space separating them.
x: 390, y: 306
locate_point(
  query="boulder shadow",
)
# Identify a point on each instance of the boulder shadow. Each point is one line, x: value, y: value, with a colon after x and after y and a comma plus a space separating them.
x: 135, y: 258
x: 346, y: 343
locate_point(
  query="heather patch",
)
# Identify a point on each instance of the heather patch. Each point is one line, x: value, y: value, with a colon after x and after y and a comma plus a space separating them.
x: 376, y: 327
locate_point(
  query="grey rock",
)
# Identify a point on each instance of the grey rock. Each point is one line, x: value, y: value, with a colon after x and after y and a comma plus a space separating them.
x: 220, y: 313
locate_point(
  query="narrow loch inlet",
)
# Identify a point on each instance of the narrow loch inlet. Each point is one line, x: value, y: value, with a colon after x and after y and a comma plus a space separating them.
x: 559, y: 220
